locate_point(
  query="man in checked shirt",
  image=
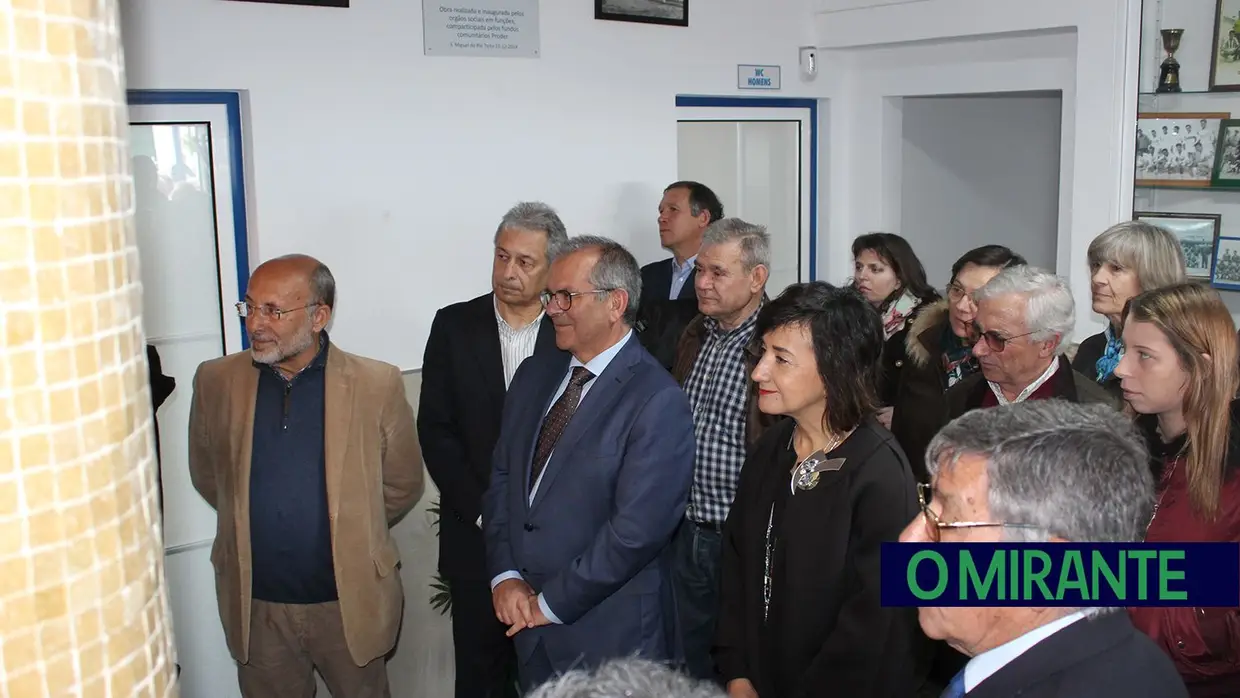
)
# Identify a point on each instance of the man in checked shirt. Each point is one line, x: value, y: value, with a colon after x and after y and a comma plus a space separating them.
x: 712, y: 364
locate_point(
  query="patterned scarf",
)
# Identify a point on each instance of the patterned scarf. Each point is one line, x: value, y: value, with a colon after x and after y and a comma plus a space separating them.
x: 1110, y: 356
x: 896, y: 314
x: 958, y: 360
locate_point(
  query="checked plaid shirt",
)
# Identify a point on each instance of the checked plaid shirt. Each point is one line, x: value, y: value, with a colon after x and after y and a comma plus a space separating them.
x: 718, y: 386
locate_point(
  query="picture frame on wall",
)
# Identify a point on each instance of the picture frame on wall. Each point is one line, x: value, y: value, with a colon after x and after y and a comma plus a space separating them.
x: 1225, y: 54
x: 1177, y: 149
x: 1198, y: 234
x: 1226, y: 172
x: 673, y: 13
x: 1226, y: 272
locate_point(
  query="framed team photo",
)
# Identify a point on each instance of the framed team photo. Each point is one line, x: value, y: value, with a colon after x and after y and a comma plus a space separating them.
x: 1177, y: 149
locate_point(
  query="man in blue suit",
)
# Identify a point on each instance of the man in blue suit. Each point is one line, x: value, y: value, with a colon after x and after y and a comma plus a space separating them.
x: 589, y: 480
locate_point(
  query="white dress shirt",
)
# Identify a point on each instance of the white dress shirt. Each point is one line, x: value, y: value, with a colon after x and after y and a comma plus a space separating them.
x: 1024, y: 394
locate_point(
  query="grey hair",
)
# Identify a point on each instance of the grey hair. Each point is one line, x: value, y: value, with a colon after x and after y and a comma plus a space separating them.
x: 1076, y: 471
x: 627, y: 678
x: 616, y: 269
x: 535, y: 216
x: 754, y: 241
x: 1153, y: 253
x: 1049, y: 309
x: 322, y: 283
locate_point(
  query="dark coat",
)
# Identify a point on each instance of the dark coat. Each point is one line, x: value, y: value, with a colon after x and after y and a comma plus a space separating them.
x: 894, y: 358
x: 459, y: 410
x: 828, y: 634
x: 1102, y: 656
x: 920, y: 408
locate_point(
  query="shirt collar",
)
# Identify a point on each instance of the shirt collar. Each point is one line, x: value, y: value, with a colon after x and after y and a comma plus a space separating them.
x: 1029, y: 389
x: 678, y: 269
x: 598, y: 364
x: 713, y: 326
x: 504, y: 323
x: 991, y: 661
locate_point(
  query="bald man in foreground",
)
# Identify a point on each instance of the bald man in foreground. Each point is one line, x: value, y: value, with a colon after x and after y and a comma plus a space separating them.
x: 308, y: 454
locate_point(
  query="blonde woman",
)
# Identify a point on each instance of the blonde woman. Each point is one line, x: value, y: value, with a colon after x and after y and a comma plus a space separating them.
x: 1125, y: 260
x: 1179, y: 373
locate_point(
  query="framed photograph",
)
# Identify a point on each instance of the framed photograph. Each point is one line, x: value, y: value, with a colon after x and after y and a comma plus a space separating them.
x: 671, y: 12
x: 1198, y: 235
x: 1225, y: 56
x: 1227, y: 159
x: 316, y: 3
x: 1226, y: 274
x: 1177, y: 150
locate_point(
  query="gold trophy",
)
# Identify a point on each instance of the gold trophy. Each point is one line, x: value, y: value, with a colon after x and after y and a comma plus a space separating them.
x: 1169, y: 75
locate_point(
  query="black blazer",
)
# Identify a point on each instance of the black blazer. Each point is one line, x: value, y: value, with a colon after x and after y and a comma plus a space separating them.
x: 1102, y: 656
x: 459, y: 411
x: 828, y: 633
x: 657, y: 282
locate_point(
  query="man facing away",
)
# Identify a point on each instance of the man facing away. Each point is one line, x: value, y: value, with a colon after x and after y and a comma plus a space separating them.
x: 1051, y: 471
x: 471, y: 355
x: 590, y: 478
x: 308, y: 454
x: 668, y: 304
x: 713, y: 367
x: 1021, y: 329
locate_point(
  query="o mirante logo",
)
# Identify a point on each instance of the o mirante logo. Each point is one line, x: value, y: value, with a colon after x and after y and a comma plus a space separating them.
x: 1061, y: 574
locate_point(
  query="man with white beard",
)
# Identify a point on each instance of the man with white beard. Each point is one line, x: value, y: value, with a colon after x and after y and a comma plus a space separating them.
x: 308, y: 454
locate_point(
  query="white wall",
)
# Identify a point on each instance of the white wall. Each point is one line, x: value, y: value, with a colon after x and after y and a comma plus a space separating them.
x: 876, y: 52
x: 385, y: 163
x: 1196, y: 18
x: 977, y: 171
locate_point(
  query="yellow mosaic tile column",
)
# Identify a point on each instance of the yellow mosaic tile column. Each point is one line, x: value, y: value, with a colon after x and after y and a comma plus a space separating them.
x: 83, y: 605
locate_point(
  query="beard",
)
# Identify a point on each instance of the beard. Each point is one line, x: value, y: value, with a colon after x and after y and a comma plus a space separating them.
x: 282, y: 351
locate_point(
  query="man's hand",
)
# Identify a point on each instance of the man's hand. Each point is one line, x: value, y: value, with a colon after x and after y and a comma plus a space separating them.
x: 511, y: 599
x: 537, y: 617
x: 741, y: 688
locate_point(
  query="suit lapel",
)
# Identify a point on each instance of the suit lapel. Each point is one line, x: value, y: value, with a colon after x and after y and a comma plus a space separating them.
x: 550, y: 382
x: 605, y: 391
x: 487, y: 350
x: 546, y: 336
x: 338, y: 409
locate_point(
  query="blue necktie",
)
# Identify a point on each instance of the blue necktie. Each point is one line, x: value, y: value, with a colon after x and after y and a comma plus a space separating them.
x: 955, y: 689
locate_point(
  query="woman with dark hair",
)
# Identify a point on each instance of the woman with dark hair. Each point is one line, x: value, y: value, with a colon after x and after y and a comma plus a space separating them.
x: 1179, y: 373
x: 892, y: 279
x: 938, y: 350
x: 800, y: 610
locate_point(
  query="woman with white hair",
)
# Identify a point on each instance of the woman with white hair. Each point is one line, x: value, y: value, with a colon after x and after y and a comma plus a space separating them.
x: 1125, y: 260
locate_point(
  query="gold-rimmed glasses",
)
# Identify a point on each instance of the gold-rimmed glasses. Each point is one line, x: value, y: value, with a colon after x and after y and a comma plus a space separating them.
x: 935, y: 525
x: 267, y: 312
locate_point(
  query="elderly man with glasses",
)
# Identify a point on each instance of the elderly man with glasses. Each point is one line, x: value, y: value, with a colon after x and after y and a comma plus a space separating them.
x: 1054, y: 471
x: 1020, y: 332
x: 308, y: 453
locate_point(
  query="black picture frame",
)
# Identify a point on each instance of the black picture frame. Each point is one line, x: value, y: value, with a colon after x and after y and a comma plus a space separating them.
x: 311, y: 3
x: 615, y: 10
x: 1186, y: 227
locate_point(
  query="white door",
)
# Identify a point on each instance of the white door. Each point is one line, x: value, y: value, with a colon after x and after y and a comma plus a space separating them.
x: 187, y: 251
x: 757, y: 161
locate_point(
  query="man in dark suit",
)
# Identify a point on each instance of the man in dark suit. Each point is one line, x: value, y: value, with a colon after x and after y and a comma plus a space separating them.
x: 669, y: 300
x: 1076, y: 472
x: 473, y: 350
x: 590, y: 478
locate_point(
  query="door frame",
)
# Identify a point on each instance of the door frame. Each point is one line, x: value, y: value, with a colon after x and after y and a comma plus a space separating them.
x: 231, y: 101
x: 708, y: 101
